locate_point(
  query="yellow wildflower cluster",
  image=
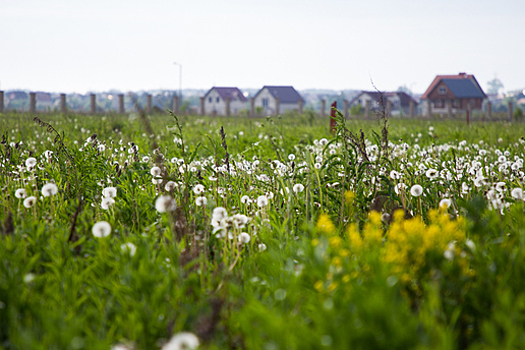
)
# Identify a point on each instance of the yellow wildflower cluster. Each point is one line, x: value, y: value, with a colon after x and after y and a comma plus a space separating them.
x: 325, y: 224
x: 411, y: 246
x: 372, y: 233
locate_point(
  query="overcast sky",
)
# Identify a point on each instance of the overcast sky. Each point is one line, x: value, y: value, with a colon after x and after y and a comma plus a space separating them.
x: 79, y: 46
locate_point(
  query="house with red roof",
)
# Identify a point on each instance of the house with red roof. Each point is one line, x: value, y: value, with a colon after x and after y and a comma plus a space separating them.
x: 266, y: 98
x: 449, y: 94
x: 224, y: 101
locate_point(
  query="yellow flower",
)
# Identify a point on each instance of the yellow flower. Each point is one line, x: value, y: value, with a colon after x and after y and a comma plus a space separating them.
x: 324, y: 224
x: 335, y: 242
x: 349, y: 197
x: 318, y: 286
x: 356, y: 241
x: 315, y: 242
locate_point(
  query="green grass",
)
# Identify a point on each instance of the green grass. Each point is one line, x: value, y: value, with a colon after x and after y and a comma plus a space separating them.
x: 321, y: 269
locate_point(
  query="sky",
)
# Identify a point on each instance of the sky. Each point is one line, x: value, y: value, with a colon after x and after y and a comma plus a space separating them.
x: 79, y: 46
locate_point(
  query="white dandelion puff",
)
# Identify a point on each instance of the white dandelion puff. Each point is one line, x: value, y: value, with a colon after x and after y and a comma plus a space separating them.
x: 245, y: 199
x: 29, y: 201
x: 198, y: 189
x: 182, y: 341
x: 170, y: 186
x: 445, y: 203
x: 262, y: 201
x: 298, y: 188
x: 416, y: 190
x: 109, y: 192
x: 244, y: 237
x: 30, y: 162
x: 155, y: 171
x: 129, y: 248
x: 49, y: 189
x: 101, y: 229
x: 201, y: 201
x: 21, y: 193
x: 517, y: 193
x: 107, y: 202
x: 165, y: 203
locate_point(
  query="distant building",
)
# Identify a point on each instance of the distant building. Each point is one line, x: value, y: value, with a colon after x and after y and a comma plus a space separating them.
x: 399, y: 101
x: 266, y: 98
x: 448, y: 94
x: 215, y: 100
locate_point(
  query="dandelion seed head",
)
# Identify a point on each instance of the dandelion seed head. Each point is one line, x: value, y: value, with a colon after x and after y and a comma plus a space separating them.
x: 297, y: 188
x: 129, y: 248
x: 155, y: 171
x: 262, y: 201
x: 244, y: 237
x: 416, y: 190
x: 30, y: 162
x: 107, y: 202
x: 29, y: 201
x: 201, y: 201
x: 165, y: 204
x: 109, y: 192
x: 101, y: 229
x: 182, y: 341
x: 21, y: 193
x: 49, y: 189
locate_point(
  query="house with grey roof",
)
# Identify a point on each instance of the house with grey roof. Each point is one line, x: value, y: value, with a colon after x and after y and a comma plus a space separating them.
x: 277, y: 99
x: 224, y: 101
x: 449, y: 94
x: 398, y: 102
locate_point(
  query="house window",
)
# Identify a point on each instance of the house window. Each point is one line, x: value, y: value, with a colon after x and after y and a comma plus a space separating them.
x: 442, y: 90
x: 209, y: 99
x: 265, y: 102
x: 217, y: 100
x: 440, y: 103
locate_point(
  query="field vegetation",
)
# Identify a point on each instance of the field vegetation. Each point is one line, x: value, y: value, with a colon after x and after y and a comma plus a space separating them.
x: 166, y: 232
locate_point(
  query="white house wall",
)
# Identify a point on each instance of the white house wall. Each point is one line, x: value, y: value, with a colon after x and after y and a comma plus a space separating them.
x: 270, y: 109
x: 219, y: 108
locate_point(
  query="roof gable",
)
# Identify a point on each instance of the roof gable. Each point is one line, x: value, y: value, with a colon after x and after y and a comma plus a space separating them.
x: 232, y: 92
x: 286, y: 94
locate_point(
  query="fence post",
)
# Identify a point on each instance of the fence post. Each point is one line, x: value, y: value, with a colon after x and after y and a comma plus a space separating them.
x: 323, y: 107
x: 489, y: 110
x: 228, y: 111
x: 277, y: 105
x: 411, y: 109
x: 509, y: 109
x: 32, y: 102
x: 202, y: 106
x: 93, y: 104
x: 63, y: 106
x: 388, y: 107
x: 252, y: 106
x: 121, y: 103
x: 367, y: 109
x: 429, y: 109
x: 1, y: 101
x: 148, y: 103
x: 449, y: 108
x: 345, y: 109
x: 176, y: 104
x: 301, y: 103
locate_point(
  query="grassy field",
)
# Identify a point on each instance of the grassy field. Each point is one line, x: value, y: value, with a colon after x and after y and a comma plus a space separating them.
x: 164, y: 232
